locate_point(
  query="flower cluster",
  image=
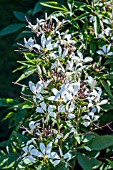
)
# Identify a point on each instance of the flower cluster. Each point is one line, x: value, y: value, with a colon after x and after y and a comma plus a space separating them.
x: 66, y: 97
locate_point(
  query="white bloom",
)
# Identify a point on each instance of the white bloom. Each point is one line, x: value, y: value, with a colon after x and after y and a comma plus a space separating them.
x: 32, y: 127
x: 70, y: 108
x: 67, y: 156
x: 88, y: 119
x: 105, y: 51
x: 36, y: 28
x: 105, y: 32
x: 92, y: 82
x: 98, y: 104
x: 62, y: 95
x: 46, y: 152
x: 74, y: 88
x: 43, y: 109
x: 36, y: 89
x: 30, y: 152
x: 79, y: 59
x: 45, y: 44
x: 29, y: 44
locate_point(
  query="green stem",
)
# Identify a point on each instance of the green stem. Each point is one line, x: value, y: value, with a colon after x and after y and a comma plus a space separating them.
x: 58, y: 125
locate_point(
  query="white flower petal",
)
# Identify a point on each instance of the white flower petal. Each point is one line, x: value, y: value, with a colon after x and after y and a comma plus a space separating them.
x: 86, y: 124
x: 80, y: 54
x: 65, y: 52
x: 32, y: 87
x: 88, y: 59
x: 48, y: 41
x: 96, y: 118
x: 110, y: 53
x: 31, y: 158
x: 35, y: 152
x: 40, y: 97
x: 91, y: 114
x: 54, y: 155
x: 39, y: 110
x: 42, y: 148
x: 59, y: 50
x: 55, y: 91
x: 103, y: 102
x: 104, y: 48
x: 67, y: 156
x: 51, y: 107
x: 52, y: 114
x: 31, y: 147
x: 61, y: 108
x: 76, y: 88
x: 100, y: 52
x: 56, y: 162
x: 49, y: 148
x: 51, y: 98
x: 71, y: 116
x: 37, y: 46
x: 25, y: 149
x: 43, y: 40
x: 61, y: 153
x: 43, y: 105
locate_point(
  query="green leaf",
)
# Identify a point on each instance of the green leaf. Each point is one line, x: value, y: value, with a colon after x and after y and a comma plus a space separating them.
x: 107, y: 88
x: 93, y: 48
x: 101, y: 142
x: 84, y: 162
x: 55, y: 5
x: 82, y: 16
x: 8, y: 161
x: 20, y: 16
x: 24, y: 34
x: 11, y: 29
x: 95, y: 163
x: 26, y: 74
x: 110, y: 163
x: 38, y: 7
x: 7, y: 102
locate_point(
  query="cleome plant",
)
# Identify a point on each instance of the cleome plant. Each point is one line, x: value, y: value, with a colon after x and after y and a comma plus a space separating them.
x: 70, y: 91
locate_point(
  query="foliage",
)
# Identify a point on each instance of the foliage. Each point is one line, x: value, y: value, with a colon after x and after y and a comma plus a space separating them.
x: 71, y: 93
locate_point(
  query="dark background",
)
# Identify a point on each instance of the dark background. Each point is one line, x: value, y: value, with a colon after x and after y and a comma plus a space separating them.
x: 8, y: 56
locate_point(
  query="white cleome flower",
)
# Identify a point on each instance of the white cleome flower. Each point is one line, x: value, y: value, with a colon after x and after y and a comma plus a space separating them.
x: 79, y: 59
x: 43, y: 109
x: 30, y: 152
x: 106, y: 32
x: 36, y: 90
x: 88, y: 119
x: 46, y: 152
x: 32, y: 126
x: 105, y: 51
x: 64, y: 157
x: 62, y: 95
x: 29, y: 44
x: 45, y: 44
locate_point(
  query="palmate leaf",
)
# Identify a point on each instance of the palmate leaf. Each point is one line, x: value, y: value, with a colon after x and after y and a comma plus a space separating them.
x: 101, y: 142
